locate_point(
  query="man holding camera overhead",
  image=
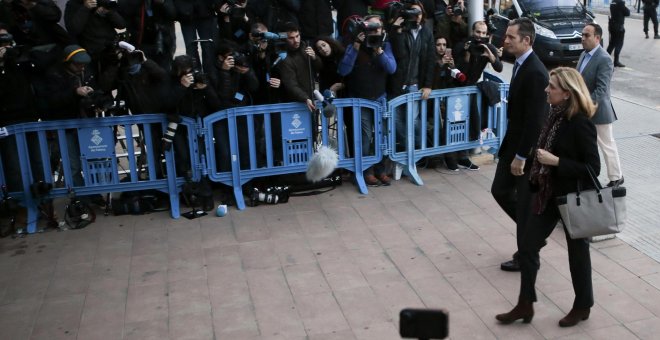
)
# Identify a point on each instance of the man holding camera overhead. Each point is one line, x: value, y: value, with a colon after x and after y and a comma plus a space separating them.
x: 412, y: 44
x: 366, y: 64
x: 476, y: 53
x: 93, y: 25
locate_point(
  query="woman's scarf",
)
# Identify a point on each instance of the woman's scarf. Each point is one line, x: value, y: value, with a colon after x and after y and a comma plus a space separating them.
x: 540, y: 176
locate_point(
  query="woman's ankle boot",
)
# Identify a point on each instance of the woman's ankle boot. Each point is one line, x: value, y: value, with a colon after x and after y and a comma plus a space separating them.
x: 574, y: 316
x: 523, y: 310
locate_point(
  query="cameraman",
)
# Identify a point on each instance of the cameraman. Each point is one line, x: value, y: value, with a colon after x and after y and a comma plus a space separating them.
x: 93, y: 25
x: 366, y: 64
x: 264, y: 60
x: 473, y: 55
x: 413, y: 48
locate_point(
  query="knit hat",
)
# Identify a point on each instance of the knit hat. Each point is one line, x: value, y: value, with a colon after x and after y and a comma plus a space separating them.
x: 75, y: 53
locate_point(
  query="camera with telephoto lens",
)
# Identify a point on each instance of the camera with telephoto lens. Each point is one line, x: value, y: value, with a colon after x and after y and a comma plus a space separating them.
x: 268, y: 35
x: 491, y: 27
x: 173, y: 121
x: 272, y: 195
x: 107, y: 4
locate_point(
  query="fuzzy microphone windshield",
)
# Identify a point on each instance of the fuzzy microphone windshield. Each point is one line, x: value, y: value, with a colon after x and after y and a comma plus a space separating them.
x: 322, y: 164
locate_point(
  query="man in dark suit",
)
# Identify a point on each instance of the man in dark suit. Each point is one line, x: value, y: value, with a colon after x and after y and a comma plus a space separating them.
x: 596, y: 68
x: 526, y: 112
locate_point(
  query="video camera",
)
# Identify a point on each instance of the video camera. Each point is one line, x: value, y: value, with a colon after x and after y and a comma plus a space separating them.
x: 269, y: 35
x: 236, y: 8
x: 403, y: 10
x: 372, y: 39
x: 477, y: 46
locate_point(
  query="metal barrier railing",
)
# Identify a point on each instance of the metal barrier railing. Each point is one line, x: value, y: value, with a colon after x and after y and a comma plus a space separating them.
x: 81, y: 156
x: 445, y: 122
x: 237, y: 145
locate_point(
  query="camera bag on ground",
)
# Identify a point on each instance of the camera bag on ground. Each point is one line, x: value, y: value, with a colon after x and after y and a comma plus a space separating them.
x: 198, y: 194
x: 78, y: 214
x: 139, y: 202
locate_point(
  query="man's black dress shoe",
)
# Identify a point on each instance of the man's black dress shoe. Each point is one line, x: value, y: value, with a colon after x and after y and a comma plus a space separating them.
x: 615, y: 183
x: 618, y: 64
x: 512, y: 265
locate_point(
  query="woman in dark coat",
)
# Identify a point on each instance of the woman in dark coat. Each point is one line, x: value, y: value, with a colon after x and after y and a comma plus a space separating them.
x: 331, y: 52
x: 566, y: 146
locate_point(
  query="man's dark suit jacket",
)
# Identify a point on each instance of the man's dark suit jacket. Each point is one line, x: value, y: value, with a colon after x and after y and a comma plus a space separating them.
x: 527, y: 110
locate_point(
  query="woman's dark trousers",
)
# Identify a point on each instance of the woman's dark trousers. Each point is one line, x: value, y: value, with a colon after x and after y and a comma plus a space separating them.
x: 539, y: 227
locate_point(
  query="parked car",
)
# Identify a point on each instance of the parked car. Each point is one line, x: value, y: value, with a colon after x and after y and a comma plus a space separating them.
x: 558, y: 24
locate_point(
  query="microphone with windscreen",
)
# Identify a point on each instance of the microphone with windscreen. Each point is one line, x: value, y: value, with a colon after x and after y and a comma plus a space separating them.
x: 329, y: 109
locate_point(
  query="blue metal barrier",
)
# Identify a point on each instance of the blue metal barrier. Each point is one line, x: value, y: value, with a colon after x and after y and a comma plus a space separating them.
x: 93, y: 143
x: 244, y: 143
x: 451, y: 107
x: 254, y: 130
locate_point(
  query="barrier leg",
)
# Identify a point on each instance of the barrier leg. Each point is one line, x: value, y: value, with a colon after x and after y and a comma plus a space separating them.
x: 359, y: 179
x: 410, y: 170
x: 32, y: 217
x: 238, y: 196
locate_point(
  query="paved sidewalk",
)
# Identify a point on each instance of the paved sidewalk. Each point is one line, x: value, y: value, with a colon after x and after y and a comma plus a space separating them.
x: 335, y: 266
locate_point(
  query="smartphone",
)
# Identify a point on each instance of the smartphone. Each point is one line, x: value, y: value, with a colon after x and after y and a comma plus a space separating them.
x: 424, y: 323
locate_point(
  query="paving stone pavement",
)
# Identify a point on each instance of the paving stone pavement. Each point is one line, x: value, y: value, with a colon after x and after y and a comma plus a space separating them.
x: 335, y: 266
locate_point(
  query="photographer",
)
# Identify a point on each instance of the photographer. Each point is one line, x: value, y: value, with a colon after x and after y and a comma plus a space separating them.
x: 452, y: 24
x: 68, y: 88
x: 192, y: 97
x: 412, y: 44
x: 150, y: 24
x: 93, y: 25
x: 366, y: 64
x: 473, y: 55
x: 34, y: 26
x: 262, y: 55
x: 445, y: 75
x: 198, y: 21
x: 233, y: 21
x: 237, y: 82
x: 299, y: 68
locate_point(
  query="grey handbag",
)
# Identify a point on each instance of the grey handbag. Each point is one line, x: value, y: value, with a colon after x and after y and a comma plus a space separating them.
x: 593, y: 212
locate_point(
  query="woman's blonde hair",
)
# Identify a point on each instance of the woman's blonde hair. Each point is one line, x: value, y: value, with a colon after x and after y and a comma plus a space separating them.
x: 579, y: 101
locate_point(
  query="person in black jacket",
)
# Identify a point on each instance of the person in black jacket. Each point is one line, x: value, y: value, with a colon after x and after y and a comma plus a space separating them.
x: 16, y: 106
x: 275, y: 14
x: 151, y: 27
x: 414, y: 51
x: 298, y: 69
x: 566, y: 148
x: 198, y: 21
x: 236, y: 83
x: 526, y: 112
x: 94, y: 28
x: 34, y: 25
x: 618, y: 14
x: 315, y: 18
x: 651, y: 12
